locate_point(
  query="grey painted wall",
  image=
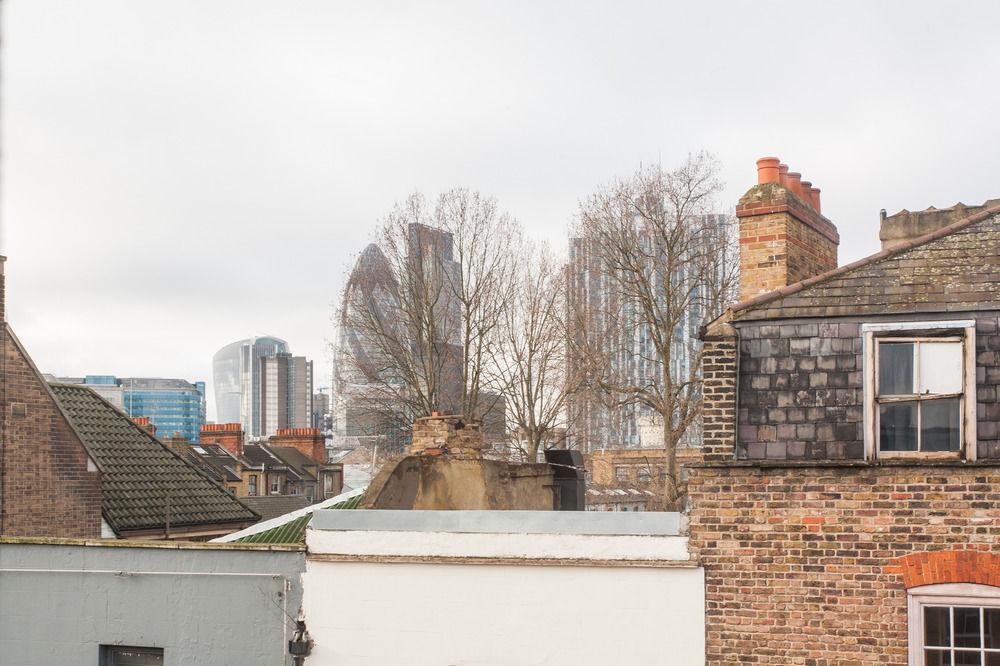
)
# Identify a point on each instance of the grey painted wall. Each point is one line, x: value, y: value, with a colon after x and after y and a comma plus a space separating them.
x: 59, y: 603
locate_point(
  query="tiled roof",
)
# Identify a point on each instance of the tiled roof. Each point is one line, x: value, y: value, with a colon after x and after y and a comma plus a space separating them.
x: 291, y: 528
x: 296, y: 460
x: 953, y: 268
x: 272, y: 506
x: 144, y: 482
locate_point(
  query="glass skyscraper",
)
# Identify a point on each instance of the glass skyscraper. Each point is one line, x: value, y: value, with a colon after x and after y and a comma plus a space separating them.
x: 174, y: 406
x: 238, y: 376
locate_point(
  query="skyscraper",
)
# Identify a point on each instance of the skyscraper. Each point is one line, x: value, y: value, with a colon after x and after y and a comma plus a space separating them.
x: 286, y: 393
x: 238, y: 375
x: 595, y: 301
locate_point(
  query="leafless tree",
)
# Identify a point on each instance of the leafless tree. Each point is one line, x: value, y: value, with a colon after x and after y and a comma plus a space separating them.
x: 530, y: 361
x: 421, y: 311
x: 668, y: 263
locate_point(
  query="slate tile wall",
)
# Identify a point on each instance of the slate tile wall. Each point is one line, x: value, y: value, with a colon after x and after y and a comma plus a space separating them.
x: 801, y: 390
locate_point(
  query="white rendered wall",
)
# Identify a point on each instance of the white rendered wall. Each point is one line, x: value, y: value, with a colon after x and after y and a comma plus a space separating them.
x: 445, y: 614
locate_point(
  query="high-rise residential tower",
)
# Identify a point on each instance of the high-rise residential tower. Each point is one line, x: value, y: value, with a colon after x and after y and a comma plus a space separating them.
x: 595, y: 300
x: 238, y: 375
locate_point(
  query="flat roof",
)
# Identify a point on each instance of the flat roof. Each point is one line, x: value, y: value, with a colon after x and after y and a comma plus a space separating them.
x: 639, y: 523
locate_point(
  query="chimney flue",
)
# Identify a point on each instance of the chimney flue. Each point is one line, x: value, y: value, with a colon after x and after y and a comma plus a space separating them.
x: 795, y: 182
x: 814, y: 196
x: 783, y: 175
x: 767, y: 170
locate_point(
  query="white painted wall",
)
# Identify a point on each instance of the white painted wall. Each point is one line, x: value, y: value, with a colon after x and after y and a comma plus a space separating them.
x: 363, y: 613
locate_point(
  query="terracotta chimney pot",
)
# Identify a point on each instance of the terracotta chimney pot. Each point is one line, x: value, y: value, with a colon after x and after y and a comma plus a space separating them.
x: 814, y: 195
x: 806, y: 187
x: 795, y: 182
x: 767, y: 170
x: 783, y: 175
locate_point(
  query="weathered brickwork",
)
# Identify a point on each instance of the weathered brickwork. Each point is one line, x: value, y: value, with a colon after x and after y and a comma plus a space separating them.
x: 782, y: 240
x: 803, y: 565
x: 46, y: 488
x: 808, y: 548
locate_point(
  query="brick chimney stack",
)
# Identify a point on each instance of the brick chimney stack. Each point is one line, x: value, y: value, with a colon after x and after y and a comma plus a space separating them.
x: 227, y: 435
x: 3, y: 291
x: 784, y: 238
x: 443, y: 433
x: 144, y: 423
x: 309, y: 441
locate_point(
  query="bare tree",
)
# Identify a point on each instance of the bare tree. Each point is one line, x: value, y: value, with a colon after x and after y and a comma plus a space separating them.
x: 667, y: 263
x: 422, y: 308
x: 531, y: 361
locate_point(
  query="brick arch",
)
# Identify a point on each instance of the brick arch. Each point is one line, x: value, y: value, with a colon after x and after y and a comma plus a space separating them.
x: 947, y: 566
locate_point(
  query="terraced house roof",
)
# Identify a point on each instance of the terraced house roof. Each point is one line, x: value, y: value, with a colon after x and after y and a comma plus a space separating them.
x: 144, y: 485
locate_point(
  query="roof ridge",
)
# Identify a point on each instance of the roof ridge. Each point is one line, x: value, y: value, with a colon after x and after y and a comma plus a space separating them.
x: 788, y: 290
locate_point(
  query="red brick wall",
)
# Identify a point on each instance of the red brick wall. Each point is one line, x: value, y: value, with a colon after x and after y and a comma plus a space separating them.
x: 807, y: 564
x: 46, y: 488
x: 227, y: 435
x: 309, y: 441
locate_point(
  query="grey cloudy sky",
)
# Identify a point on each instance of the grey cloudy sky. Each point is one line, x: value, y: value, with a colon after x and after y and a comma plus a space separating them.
x: 178, y: 175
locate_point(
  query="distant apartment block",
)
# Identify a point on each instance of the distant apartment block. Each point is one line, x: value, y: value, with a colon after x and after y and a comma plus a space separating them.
x: 173, y: 406
x: 260, y: 385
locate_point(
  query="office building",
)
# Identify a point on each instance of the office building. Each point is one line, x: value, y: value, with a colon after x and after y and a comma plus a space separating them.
x: 238, y: 376
x: 173, y: 406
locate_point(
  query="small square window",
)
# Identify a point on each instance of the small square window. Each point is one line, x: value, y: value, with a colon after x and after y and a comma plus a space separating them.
x: 918, y: 389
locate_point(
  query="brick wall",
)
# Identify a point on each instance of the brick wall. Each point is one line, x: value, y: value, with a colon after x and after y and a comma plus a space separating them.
x: 782, y: 240
x: 227, y: 435
x: 309, y: 441
x: 46, y: 488
x: 807, y: 565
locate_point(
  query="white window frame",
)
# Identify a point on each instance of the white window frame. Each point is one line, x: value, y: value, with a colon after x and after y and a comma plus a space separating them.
x: 945, y: 594
x: 871, y: 334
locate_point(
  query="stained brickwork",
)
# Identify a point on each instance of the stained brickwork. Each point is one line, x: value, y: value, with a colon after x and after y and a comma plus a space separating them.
x: 47, y: 489
x: 802, y: 565
x: 782, y: 240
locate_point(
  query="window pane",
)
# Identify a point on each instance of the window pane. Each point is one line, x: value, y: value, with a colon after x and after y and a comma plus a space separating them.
x: 991, y: 622
x: 940, y: 367
x: 937, y: 626
x: 968, y: 658
x: 895, y: 368
x: 993, y: 659
x: 940, y: 425
x: 897, y: 426
x: 966, y: 628
x: 937, y: 658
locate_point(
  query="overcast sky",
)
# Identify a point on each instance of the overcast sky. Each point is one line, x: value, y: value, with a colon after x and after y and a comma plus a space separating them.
x: 178, y: 175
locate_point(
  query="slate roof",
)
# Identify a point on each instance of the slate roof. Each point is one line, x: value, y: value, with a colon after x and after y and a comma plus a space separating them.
x: 291, y: 528
x: 142, y: 479
x: 272, y: 506
x: 954, y: 268
x: 296, y: 460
